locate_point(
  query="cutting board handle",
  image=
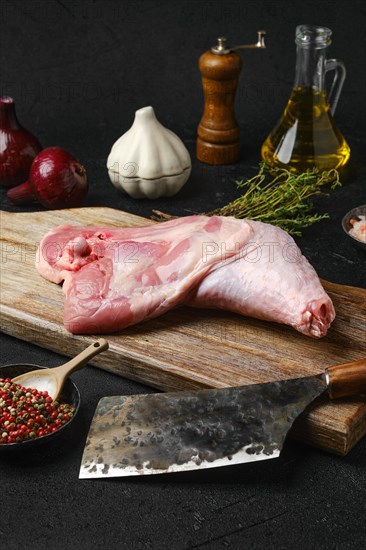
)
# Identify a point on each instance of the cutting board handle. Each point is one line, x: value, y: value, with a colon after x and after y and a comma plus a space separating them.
x: 347, y: 379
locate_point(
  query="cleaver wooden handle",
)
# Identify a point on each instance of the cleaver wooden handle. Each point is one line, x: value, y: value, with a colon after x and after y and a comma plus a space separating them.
x: 347, y: 379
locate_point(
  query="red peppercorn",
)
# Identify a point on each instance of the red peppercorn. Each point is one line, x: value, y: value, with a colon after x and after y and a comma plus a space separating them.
x: 27, y: 413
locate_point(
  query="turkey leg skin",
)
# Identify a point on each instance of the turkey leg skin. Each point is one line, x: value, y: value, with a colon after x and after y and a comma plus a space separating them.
x: 269, y: 279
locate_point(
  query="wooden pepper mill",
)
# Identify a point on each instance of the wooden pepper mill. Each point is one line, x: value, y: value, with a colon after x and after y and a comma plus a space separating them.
x: 218, y: 131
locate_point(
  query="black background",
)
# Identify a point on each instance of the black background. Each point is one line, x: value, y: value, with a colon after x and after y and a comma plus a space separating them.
x: 78, y: 70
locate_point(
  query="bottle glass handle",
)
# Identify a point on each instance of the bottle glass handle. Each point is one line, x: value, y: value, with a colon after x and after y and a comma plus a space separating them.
x: 339, y: 75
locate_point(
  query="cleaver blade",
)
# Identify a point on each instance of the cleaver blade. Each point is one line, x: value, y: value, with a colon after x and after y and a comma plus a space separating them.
x: 191, y: 430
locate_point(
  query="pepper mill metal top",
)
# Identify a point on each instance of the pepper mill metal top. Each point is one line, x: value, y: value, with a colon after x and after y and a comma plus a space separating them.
x: 218, y: 131
x: 221, y: 48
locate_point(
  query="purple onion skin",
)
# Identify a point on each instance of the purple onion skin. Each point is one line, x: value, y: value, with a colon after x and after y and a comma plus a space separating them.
x: 18, y: 147
x: 56, y: 180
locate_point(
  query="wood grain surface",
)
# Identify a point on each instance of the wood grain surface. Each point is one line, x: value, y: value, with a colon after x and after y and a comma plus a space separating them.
x: 186, y: 348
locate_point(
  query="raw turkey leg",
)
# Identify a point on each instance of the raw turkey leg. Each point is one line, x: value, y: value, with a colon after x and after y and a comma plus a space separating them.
x: 114, y: 278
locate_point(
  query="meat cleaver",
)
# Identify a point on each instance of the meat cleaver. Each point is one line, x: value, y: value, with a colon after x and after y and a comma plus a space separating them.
x: 191, y: 430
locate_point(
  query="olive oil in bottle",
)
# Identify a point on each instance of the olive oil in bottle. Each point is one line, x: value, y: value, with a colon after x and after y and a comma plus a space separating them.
x: 306, y: 135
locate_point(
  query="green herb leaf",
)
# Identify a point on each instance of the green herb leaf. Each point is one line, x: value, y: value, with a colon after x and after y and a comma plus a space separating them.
x: 277, y: 196
x: 280, y: 197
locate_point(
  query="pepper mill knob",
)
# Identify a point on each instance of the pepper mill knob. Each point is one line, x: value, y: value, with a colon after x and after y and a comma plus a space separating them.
x: 218, y: 131
x: 220, y: 48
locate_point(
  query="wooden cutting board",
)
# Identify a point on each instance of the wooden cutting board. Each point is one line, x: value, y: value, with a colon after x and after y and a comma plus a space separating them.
x: 186, y: 348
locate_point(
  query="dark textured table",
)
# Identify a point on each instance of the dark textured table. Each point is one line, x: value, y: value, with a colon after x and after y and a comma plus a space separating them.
x: 78, y: 71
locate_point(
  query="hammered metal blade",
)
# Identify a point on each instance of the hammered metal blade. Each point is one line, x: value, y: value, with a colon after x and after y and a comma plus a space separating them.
x: 172, y: 432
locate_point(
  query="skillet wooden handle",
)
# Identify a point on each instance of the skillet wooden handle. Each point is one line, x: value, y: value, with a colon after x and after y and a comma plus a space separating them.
x: 347, y: 379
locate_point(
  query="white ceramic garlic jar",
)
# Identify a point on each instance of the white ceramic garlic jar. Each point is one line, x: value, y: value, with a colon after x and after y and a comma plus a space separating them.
x: 149, y: 161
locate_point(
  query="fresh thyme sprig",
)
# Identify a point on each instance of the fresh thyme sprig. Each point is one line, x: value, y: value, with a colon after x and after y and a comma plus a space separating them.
x: 279, y: 197
x: 283, y: 200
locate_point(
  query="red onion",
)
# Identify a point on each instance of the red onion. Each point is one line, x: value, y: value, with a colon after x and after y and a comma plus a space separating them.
x: 56, y: 180
x: 18, y: 147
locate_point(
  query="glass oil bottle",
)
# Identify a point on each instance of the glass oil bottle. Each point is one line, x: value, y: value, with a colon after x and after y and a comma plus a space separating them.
x: 306, y: 135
